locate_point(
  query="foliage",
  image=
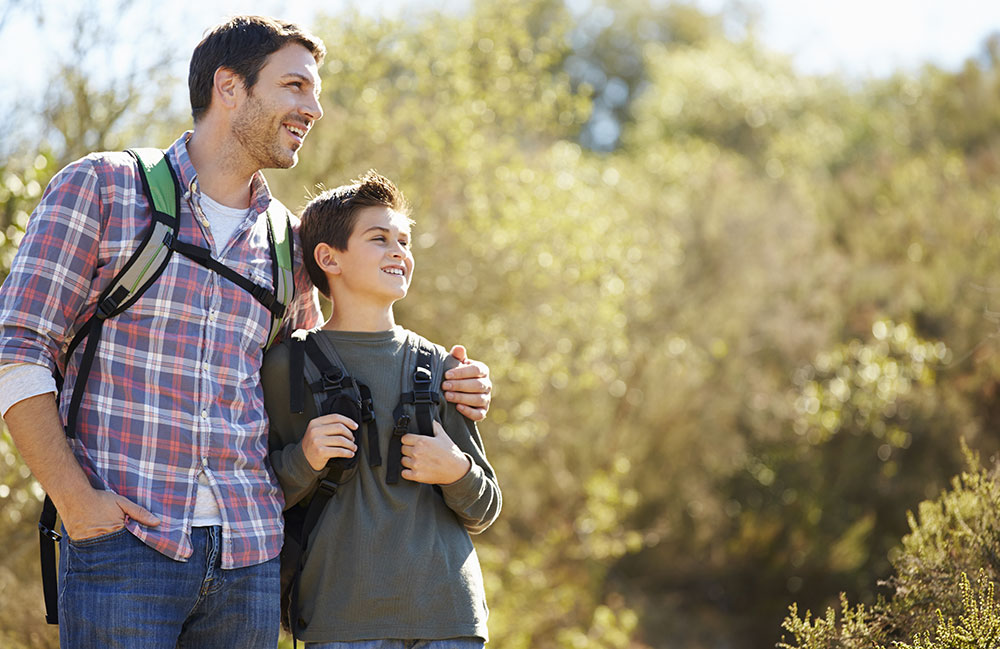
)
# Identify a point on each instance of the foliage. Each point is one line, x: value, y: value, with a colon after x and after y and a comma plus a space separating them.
x: 977, y: 626
x: 737, y: 317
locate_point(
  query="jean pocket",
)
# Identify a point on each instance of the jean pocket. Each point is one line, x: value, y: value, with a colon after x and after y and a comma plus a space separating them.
x: 94, y: 540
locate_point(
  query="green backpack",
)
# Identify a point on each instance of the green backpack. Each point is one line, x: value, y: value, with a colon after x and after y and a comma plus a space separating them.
x: 162, y: 190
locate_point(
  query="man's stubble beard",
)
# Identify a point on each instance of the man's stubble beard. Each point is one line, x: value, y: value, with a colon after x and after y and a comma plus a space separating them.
x: 258, y: 134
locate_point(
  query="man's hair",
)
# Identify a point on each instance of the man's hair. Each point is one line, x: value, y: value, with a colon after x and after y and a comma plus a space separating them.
x: 242, y: 44
x: 330, y: 217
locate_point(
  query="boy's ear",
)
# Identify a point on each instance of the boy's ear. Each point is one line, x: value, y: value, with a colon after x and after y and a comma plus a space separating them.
x: 226, y: 86
x: 326, y: 258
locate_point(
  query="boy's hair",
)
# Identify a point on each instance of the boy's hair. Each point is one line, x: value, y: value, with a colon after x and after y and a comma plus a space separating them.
x: 330, y: 217
x: 242, y: 44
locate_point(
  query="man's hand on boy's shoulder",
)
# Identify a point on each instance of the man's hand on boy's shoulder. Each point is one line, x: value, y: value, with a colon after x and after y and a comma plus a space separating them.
x: 468, y: 386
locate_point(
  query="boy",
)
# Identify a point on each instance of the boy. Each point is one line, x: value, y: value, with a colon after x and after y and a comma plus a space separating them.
x: 390, y: 562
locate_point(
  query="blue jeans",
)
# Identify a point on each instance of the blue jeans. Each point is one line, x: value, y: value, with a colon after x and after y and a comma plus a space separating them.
x: 117, y: 593
x: 453, y: 643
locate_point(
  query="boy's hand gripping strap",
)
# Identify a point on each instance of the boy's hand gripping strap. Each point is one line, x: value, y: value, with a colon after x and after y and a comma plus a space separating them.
x: 424, y: 398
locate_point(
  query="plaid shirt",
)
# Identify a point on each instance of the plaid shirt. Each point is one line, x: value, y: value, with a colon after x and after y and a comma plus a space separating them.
x: 175, y: 384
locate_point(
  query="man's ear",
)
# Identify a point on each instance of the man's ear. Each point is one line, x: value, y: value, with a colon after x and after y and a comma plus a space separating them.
x: 327, y: 259
x: 227, y: 87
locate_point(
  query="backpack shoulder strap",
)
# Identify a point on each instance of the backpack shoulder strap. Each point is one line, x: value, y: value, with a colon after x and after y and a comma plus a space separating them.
x: 282, y: 243
x: 423, y: 363
x: 296, y: 370
x: 162, y: 191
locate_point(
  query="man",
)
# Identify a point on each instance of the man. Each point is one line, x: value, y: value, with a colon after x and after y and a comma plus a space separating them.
x: 171, y: 514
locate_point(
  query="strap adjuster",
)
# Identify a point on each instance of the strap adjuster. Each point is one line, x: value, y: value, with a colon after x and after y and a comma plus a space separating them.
x: 110, y: 304
x: 327, y: 487
x: 264, y: 296
x: 402, y: 426
x: 333, y: 379
x: 422, y: 376
x: 424, y: 397
x: 49, y: 533
x: 367, y: 410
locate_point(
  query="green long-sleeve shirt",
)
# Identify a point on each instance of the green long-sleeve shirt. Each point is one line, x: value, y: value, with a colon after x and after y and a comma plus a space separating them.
x: 386, y: 561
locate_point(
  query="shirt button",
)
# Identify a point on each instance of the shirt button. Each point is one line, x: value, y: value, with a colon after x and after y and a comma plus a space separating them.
x: 204, y: 414
x: 204, y: 461
x: 211, y: 316
x: 204, y: 222
x: 204, y: 366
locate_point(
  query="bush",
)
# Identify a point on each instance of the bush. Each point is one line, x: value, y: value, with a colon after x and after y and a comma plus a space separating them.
x: 930, y: 601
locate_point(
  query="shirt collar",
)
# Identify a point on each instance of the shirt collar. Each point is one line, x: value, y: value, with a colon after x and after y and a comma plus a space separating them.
x: 260, y: 194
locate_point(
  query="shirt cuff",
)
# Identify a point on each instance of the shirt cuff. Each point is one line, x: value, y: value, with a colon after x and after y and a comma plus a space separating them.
x: 465, y: 491
x: 20, y: 381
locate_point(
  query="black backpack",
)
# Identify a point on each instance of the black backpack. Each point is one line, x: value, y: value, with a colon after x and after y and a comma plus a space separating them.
x: 334, y: 391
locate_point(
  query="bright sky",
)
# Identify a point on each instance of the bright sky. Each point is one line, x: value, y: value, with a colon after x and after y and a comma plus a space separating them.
x: 858, y: 37
x: 873, y: 37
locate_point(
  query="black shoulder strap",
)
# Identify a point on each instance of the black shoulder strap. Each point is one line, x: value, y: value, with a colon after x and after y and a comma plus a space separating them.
x: 296, y: 370
x: 314, y: 361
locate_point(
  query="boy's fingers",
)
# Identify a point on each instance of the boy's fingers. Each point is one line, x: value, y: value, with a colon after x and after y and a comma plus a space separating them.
x: 334, y: 418
x: 335, y: 430
x: 409, y: 439
x: 340, y: 451
x: 339, y: 441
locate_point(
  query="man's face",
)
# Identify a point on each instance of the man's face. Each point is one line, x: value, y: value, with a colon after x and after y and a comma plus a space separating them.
x: 278, y: 111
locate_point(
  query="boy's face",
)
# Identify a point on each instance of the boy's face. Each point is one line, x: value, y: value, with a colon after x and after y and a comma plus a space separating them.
x: 378, y: 261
